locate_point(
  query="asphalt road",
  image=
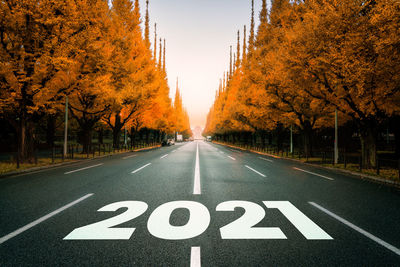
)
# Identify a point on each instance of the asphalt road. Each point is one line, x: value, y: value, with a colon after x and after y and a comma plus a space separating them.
x: 196, y: 203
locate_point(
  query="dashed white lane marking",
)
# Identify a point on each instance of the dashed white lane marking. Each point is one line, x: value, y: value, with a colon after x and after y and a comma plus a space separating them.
x: 42, y: 219
x: 78, y: 170
x: 195, y: 258
x: 164, y: 156
x: 196, y: 186
x: 128, y: 157
x: 358, y: 229
x: 259, y: 173
x: 313, y: 173
x: 232, y: 158
x: 174, y: 151
x: 265, y: 159
x: 141, y: 168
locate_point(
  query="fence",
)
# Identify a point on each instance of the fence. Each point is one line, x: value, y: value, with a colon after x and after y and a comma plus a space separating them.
x: 389, y: 168
x: 74, y: 152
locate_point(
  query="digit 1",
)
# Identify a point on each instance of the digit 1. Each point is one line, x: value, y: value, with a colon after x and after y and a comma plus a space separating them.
x: 306, y: 227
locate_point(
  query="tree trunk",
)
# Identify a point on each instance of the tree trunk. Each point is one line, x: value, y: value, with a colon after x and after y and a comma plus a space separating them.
x: 117, y: 131
x: 101, y: 135
x: 87, y: 139
x: 368, y: 146
x: 395, y: 122
x: 279, y: 137
x: 307, y: 136
x: 133, y: 137
x: 50, y: 130
x: 26, y: 144
x: 147, y: 136
x: 263, y: 139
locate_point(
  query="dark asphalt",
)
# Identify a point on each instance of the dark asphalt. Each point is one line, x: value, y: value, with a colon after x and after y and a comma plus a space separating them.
x: 225, y: 175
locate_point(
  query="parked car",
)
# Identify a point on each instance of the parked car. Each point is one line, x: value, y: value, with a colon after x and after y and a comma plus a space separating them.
x: 171, y: 142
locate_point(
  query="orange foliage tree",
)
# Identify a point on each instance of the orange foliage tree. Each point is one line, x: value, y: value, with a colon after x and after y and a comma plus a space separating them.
x: 310, y: 58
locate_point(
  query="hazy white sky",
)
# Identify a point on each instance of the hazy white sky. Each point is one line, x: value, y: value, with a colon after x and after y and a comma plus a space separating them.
x: 198, y: 35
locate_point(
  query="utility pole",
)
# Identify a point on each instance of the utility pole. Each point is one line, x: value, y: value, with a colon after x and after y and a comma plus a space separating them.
x: 66, y: 128
x: 126, y: 145
x: 291, y: 138
x: 336, y: 154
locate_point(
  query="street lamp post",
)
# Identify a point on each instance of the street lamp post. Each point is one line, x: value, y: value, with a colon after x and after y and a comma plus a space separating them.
x: 66, y: 128
x: 291, y: 139
x: 126, y: 145
x: 336, y: 153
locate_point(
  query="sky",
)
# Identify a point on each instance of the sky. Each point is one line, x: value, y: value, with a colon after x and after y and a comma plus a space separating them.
x: 198, y: 35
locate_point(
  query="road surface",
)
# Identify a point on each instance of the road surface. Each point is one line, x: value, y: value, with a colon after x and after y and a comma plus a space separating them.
x: 196, y: 204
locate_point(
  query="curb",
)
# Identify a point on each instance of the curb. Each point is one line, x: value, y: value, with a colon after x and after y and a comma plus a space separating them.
x: 68, y: 163
x: 357, y: 175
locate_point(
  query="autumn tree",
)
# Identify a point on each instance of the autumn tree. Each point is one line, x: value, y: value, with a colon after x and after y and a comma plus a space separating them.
x: 132, y: 69
x: 350, y: 50
x: 37, y: 56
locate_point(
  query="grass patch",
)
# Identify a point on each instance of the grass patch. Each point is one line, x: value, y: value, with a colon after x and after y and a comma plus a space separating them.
x: 6, y: 167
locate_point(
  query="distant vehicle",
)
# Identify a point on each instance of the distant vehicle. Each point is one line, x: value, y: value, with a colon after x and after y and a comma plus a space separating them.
x: 171, y: 142
x: 168, y: 142
x: 179, y: 138
x: 208, y: 139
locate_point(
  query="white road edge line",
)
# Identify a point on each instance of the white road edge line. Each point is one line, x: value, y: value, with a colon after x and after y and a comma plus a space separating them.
x: 259, y: 173
x: 358, y: 229
x: 128, y: 157
x: 196, y: 186
x: 78, y: 170
x: 164, y: 156
x: 141, y: 168
x: 195, y: 257
x: 42, y: 219
x: 313, y: 173
x: 232, y: 158
x: 265, y: 159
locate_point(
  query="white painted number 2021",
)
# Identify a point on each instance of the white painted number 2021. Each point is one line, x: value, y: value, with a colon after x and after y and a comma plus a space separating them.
x: 199, y: 219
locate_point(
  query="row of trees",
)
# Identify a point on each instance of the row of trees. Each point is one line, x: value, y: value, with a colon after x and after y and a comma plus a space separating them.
x: 308, y: 59
x: 94, y: 55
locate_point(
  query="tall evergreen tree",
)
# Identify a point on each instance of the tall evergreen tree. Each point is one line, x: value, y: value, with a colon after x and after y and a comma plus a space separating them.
x: 163, y: 68
x: 238, y: 51
x: 147, y: 27
x: 155, y: 43
x: 252, y: 26
x: 244, y: 54
x: 230, y: 63
x: 160, y: 56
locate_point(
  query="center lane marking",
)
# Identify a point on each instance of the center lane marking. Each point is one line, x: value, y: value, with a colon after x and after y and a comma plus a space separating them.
x: 195, y: 258
x: 232, y: 158
x: 42, y: 219
x: 313, y: 173
x: 141, y: 168
x: 78, y: 170
x: 164, y: 156
x: 196, y: 186
x: 259, y: 173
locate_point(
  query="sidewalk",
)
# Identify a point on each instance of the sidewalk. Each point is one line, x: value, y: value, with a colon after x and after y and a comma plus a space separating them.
x: 68, y: 162
x: 358, y: 175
